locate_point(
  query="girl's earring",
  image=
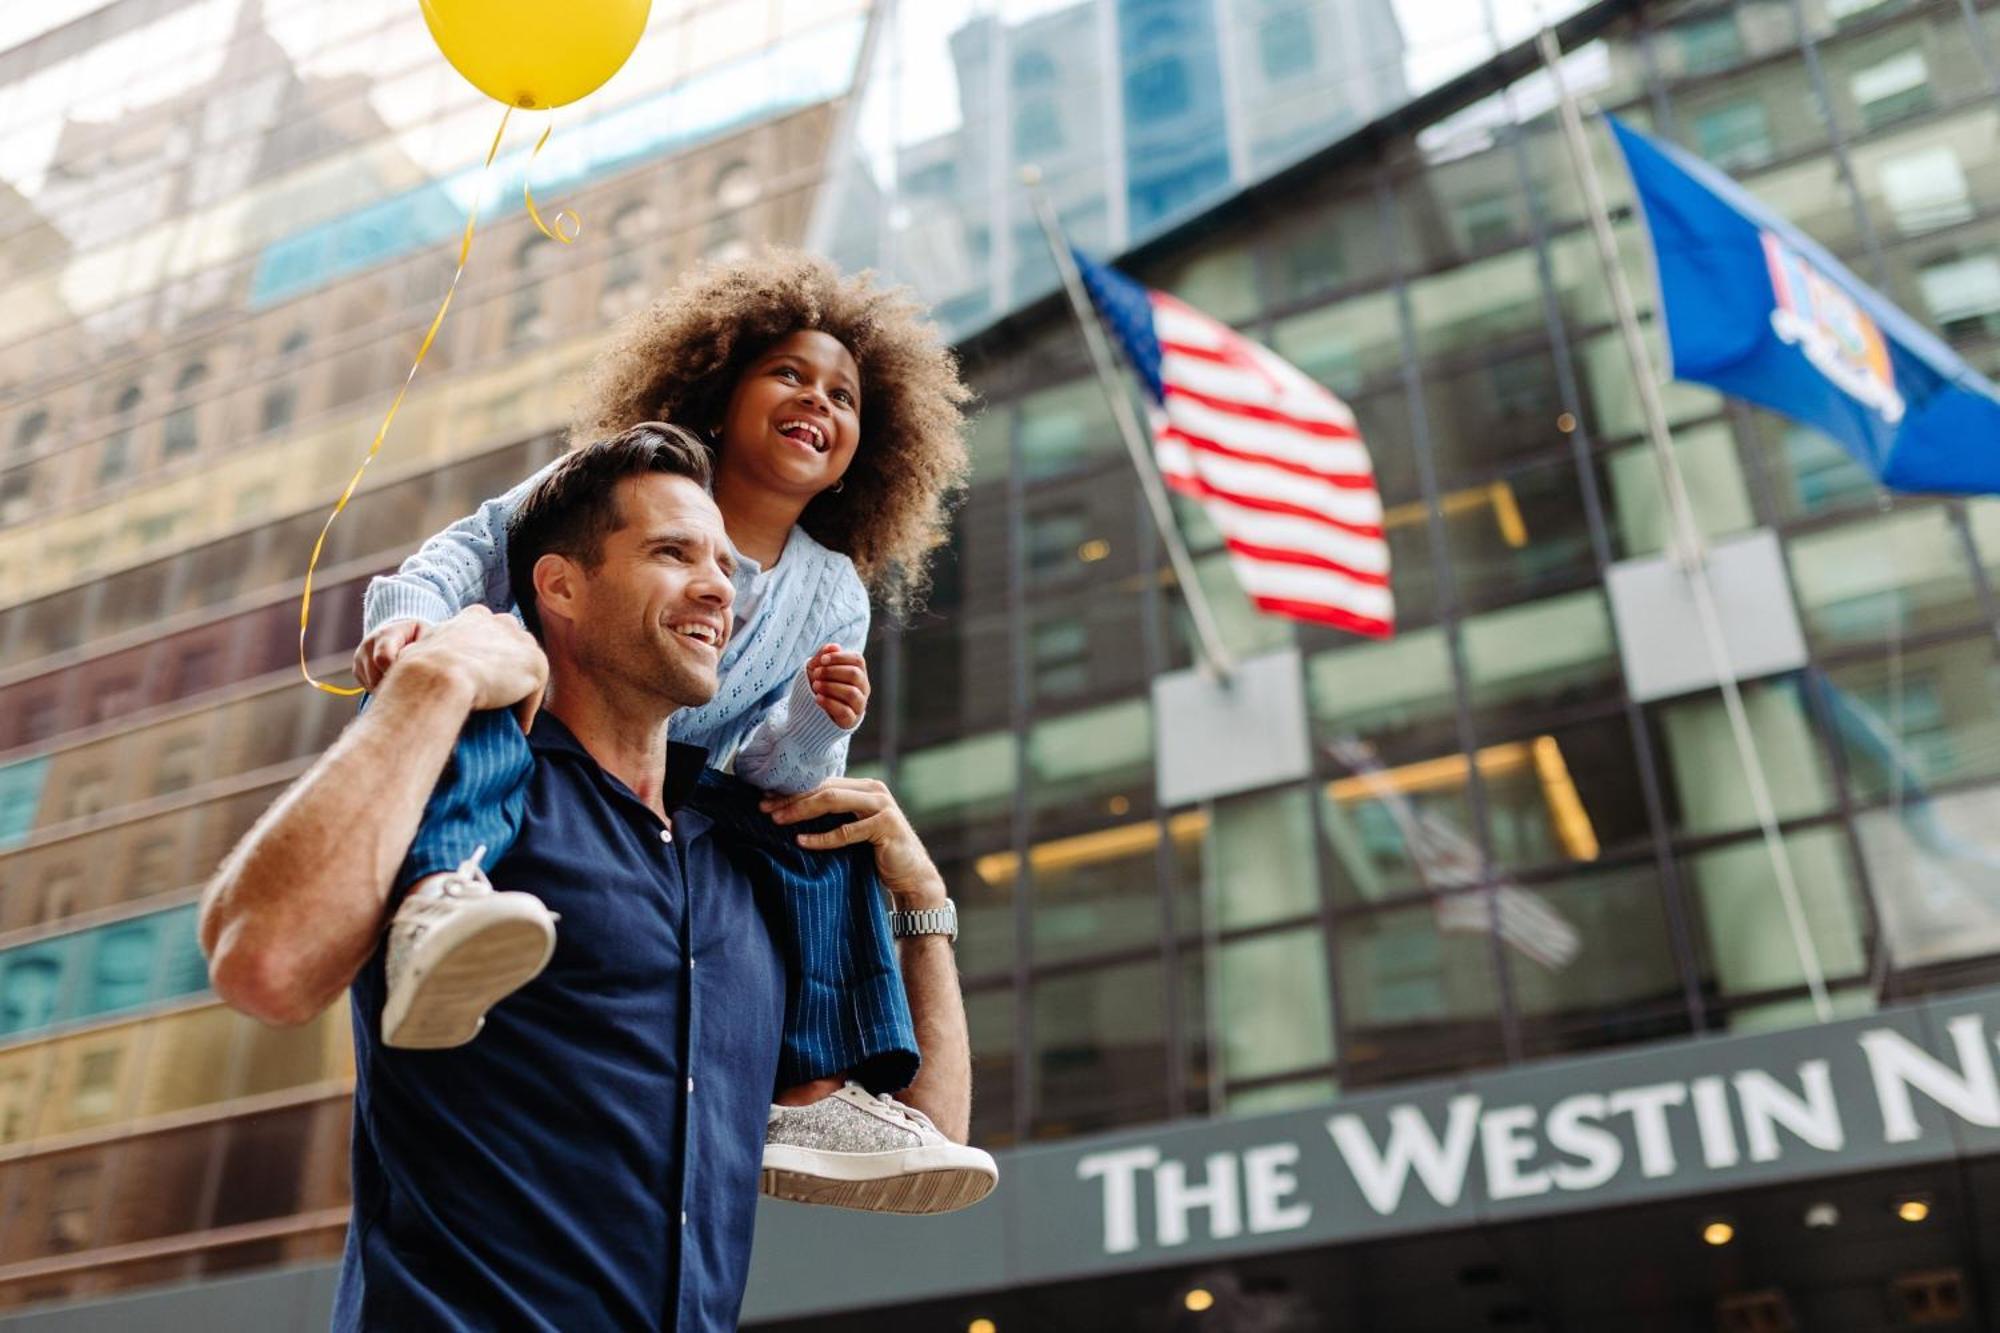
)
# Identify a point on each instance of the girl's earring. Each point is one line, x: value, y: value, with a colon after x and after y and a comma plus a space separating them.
x: 715, y: 435
x: 839, y: 486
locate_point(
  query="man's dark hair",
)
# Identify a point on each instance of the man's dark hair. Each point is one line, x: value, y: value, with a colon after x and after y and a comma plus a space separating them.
x: 575, y: 507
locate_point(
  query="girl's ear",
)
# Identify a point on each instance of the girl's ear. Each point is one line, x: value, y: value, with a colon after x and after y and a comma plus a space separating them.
x: 558, y: 584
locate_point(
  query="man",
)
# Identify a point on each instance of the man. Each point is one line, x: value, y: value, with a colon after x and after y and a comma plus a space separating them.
x: 591, y: 1162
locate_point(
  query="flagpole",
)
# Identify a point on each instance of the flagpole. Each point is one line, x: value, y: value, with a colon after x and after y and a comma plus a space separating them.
x: 1685, y: 543
x: 1216, y: 658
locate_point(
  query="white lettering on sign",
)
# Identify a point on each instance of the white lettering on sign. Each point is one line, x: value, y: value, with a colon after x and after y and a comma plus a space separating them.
x: 1767, y: 1103
x: 1441, y: 1166
x: 1648, y: 1108
x: 1267, y: 1179
x: 1506, y: 1139
x: 1174, y: 1199
x: 1120, y: 1171
x: 1576, y: 1129
x: 1263, y: 1179
x: 1582, y: 1142
x: 1898, y: 1064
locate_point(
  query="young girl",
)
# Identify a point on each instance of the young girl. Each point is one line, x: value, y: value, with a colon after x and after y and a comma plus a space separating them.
x: 834, y: 413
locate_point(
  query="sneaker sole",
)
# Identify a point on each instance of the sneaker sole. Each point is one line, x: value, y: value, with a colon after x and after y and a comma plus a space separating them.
x: 878, y: 1182
x: 447, y: 1005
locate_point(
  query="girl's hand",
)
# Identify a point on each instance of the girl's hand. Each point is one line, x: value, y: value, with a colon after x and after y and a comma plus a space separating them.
x: 379, y: 651
x: 839, y: 681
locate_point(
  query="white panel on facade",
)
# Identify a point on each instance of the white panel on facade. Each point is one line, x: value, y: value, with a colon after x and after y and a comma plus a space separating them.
x: 1660, y: 637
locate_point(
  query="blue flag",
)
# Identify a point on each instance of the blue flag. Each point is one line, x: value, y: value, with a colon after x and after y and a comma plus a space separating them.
x: 1757, y: 309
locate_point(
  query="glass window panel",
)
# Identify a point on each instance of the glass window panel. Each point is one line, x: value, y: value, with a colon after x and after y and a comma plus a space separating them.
x: 1494, y: 413
x: 1100, y: 1049
x: 1346, y: 345
x: 1222, y: 284
x: 1554, y: 654
x: 1591, y: 960
x: 1470, y: 308
x: 1417, y: 994
x: 1324, y: 246
x: 1260, y: 857
x: 1935, y: 873
x: 989, y: 1018
x: 1640, y: 522
x: 1568, y: 794
x: 1096, y: 892
x: 1809, y: 473
x: 189, y: 1060
x: 1392, y: 828
x: 1749, y: 939
x: 1064, y: 428
x: 1521, y: 533
x: 1749, y: 118
x: 1611, y: 407
x: 119, y: 974
x: 1269, y: 996
x: 1708, y: 787
x: 1460, y: 208
x: 1914, y: 717
x: 31, y: 985
x: 953, y: 677
x: 1899, y: 574
x: 983, y: 888
x: 957, y: 783
x: 1095, y: 754
x: 1397, y: 692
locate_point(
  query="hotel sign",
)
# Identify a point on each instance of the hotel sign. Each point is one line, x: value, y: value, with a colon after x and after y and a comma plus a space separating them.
x: 1915, y: 1084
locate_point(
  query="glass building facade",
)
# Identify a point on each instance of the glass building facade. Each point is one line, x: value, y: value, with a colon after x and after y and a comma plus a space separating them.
x: 216, y: 273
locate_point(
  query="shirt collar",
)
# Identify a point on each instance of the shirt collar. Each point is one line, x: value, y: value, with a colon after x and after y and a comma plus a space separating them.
x: 684, y: 762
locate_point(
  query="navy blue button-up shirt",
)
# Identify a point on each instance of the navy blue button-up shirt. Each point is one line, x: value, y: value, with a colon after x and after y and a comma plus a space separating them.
x: 590, y: 1160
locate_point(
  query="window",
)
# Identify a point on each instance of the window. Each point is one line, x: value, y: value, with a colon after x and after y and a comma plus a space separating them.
x: 180, y: 760
x: 1891, y: 89
x: 121, y: 968
x: 1926, y: 189
x: 30, y: 986
x: 1709, y: 44
x: 181, y: 433
x: 736, y: 186
x: 1037, y: 129
x: 1158, y: 91
x: 29, y: 433
x: 1285, y: 44
x: 630, y: 228
x: 281, y: 404
x: 1963, y: 294
x: 1735, y: 137
x: 1033, y: 69
x: 16, y: 496
x: 89, y: 794
x: 115, y: 455
x: 72, y: 1201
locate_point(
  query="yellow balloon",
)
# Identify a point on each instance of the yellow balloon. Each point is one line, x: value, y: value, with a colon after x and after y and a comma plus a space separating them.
x: 536, y: 53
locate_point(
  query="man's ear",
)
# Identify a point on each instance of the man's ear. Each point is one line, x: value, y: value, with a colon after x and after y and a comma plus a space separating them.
x: 558, y: 585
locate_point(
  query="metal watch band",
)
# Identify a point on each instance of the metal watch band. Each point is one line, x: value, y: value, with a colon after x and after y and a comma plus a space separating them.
x: 930, y: 921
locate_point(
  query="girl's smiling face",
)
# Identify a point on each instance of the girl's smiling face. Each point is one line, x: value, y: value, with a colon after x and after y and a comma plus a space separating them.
x: 794, y: 418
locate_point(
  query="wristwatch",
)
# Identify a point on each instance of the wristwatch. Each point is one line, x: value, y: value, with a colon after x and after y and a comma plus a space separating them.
x: 930, y: 921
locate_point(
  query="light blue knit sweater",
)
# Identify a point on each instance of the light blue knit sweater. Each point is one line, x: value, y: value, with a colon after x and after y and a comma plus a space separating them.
x: 764, y: 712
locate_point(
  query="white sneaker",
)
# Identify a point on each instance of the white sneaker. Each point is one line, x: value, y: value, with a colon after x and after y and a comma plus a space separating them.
x: 857, y: 1150
x: 455, y: 952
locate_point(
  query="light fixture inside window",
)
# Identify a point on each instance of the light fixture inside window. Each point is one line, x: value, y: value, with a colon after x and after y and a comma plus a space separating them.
x: 1718, y: 1232
x: 1915, y: 1208
x: 982, y: 1326
x: 1093, y: 550
x: 1199, y: 1299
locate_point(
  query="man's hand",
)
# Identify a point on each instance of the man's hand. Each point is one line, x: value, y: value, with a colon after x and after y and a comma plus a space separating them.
x: 491, y: 656
x: 839, y: 681
x: 379, y: 651
x: 901, y: 862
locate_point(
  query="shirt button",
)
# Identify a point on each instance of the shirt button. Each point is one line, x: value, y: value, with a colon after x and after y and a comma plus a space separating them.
x: 666, y: 835
x: 690, y: 1085
x: 684, y: 1217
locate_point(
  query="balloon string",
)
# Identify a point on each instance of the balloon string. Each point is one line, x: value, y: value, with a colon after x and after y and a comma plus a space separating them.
x: 528, y: 193
x: 430, y: 336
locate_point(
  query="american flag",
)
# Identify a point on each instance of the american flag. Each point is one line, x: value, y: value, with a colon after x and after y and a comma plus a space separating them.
x: 1275, y: 460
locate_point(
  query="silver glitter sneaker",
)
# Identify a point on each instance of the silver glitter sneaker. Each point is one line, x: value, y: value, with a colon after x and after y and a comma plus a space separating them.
x: 455, y: 952
x: 857, y: 1150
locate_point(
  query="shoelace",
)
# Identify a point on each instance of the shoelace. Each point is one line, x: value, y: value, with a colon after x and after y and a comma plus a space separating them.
x: 910, y: 1113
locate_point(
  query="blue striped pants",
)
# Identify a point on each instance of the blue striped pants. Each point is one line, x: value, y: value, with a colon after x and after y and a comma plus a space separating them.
x: 846, y: 1012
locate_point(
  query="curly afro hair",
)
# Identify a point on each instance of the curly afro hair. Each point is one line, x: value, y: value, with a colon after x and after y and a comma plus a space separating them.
x: 680, y: 359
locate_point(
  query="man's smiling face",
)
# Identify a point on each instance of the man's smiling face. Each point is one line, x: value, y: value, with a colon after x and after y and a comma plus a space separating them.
x: 655, y: 609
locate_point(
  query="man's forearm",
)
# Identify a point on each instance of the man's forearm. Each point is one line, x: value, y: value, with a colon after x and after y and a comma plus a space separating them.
x: 297, y: 906
x: 943, y: 1090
